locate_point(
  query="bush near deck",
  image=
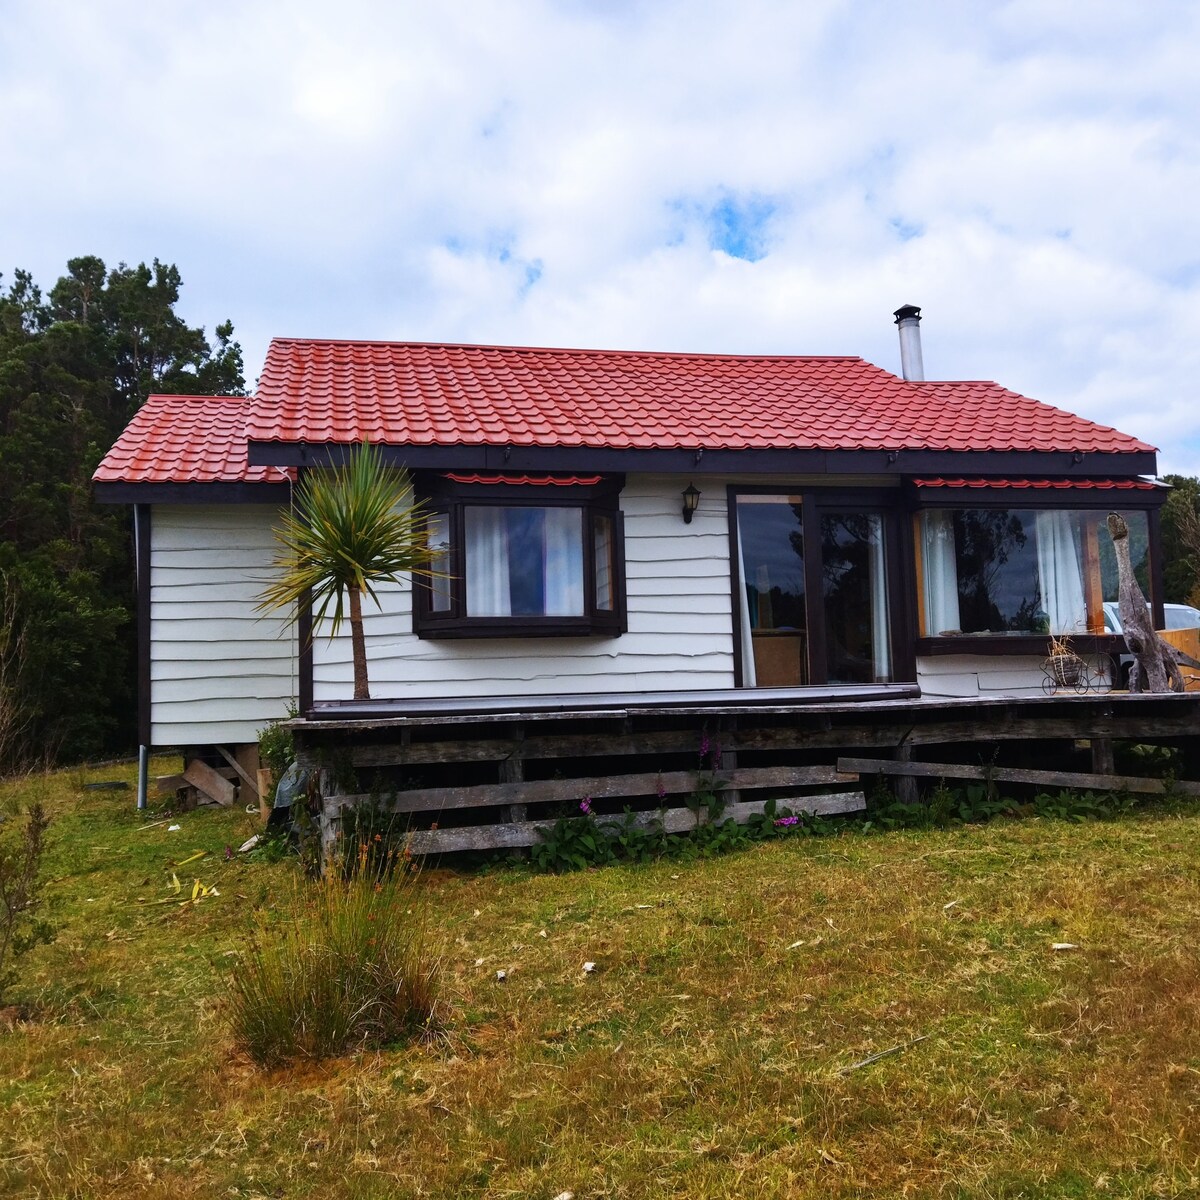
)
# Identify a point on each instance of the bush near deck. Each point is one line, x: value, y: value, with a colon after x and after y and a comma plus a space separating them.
x: 712, y: 1053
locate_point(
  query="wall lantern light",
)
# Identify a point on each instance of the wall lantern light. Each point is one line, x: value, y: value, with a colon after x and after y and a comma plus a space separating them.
x: 691, y: 497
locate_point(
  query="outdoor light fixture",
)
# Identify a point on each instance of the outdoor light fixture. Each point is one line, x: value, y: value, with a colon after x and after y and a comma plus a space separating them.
x: 691, y: 497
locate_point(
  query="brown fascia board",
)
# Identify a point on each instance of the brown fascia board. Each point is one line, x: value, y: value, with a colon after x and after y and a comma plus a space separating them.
x: 700, y: 461
x: 114, y: 492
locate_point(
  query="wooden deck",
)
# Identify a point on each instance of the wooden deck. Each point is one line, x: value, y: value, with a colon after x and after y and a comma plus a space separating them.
x: 493, y: 773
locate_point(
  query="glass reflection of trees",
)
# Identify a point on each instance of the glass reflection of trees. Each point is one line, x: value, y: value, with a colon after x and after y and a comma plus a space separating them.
x: 996, y: 553
x: 846, y: 549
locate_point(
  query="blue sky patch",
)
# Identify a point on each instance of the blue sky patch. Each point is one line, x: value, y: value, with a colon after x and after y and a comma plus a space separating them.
x: 737, y: 224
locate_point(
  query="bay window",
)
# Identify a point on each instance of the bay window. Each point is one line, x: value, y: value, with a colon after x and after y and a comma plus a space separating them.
x: 993, y: 570
x: 523, y: 556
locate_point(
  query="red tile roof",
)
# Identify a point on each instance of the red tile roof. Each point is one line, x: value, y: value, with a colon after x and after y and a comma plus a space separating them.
x: 1075, y: 484
x: 185, y: 439
x: 403, y: 393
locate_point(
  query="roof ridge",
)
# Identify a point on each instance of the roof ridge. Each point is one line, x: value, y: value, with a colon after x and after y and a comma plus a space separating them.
x: 606, y: 352
x: 195, y: 396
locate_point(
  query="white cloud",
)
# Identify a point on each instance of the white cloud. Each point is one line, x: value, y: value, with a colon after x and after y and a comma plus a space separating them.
x: 546, y: 173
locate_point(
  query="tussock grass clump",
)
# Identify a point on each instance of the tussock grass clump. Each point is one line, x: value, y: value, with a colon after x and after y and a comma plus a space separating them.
x: 347, y: 965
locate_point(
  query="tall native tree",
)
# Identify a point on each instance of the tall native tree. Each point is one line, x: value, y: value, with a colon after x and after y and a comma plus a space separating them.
x: 1181, y: 541
x: 73, y: 368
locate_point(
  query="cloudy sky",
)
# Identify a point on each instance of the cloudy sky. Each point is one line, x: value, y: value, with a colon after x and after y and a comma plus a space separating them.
x: 686, y: 175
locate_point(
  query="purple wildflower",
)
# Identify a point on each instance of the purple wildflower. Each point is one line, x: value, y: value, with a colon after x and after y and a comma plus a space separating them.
x: 585, y: 806
x: 783, y: 821
x: 661, y: 789
x: 704, y: 744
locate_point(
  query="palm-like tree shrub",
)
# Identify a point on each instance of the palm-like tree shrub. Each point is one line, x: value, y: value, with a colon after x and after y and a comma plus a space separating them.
x: 350, y: 528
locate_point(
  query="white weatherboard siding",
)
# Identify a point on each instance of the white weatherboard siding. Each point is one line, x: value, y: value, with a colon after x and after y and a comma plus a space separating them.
x: 219, y: 670
x: 960, y: 675
x: 680, y: 634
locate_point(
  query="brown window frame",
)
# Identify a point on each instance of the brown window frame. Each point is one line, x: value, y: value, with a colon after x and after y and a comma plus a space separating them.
x: 442, y: 495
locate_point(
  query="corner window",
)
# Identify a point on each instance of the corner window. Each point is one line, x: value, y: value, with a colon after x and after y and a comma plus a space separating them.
x: 1014, y: 571
x: 521, y: 556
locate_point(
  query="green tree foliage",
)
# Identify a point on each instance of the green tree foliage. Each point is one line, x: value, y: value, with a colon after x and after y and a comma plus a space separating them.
x: 1181, y: 541
x: 74, y: 367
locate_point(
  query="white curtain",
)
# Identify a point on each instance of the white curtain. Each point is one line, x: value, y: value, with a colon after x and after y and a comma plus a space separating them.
x: 488, y: 593
x: 880, y: 640
x: 1058, y: 570
x: 604, y: 558
x: 939, y: 572
x: 562, y: 562
x: 749, y: 674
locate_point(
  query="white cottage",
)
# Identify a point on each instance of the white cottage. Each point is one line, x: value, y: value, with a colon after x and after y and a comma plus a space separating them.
x: 629, y: 522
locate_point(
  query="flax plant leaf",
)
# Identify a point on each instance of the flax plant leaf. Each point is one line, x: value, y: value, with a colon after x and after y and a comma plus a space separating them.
x: 349, y: 529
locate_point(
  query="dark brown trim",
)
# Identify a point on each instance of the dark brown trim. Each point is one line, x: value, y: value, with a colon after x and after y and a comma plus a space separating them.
x: 1000, y: 644
x: 738, y: 596
x: 191, y: 493
x: 448, y: 496
x: 142, y: 550
x: 304, y: 655
x: 304, y: 645
x: 1112, y: 500
x: 700, y: 461
x: 902, y: 592
x: 814, y: 592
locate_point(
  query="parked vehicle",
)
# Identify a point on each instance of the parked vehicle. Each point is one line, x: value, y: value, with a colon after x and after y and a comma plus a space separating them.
x: 1177, y: 616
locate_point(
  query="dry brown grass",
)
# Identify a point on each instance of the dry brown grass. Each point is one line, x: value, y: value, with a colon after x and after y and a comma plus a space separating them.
x: 704, y: 1058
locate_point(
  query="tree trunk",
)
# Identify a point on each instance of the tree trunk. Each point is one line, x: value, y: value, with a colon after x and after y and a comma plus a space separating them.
x: 358, y: 644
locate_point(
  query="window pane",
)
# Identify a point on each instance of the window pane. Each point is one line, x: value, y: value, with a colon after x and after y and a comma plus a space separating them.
x: 1022, y: 571
x: 524, y: 561
x: 854, y: 582
x: 773, y: 619
x: 604, y: 563
x: 440, y: 587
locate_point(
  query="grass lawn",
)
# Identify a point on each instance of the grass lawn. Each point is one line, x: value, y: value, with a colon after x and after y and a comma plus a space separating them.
x: 707, y: 1056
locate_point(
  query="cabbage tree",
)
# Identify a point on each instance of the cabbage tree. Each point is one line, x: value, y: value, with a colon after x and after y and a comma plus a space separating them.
x: 349, y: 529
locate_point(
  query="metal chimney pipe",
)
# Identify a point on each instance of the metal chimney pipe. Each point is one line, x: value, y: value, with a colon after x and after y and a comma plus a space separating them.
x: 908, y: 318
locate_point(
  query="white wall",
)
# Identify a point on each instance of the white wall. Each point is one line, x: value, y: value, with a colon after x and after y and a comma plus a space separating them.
x: 680, y: 630
x: 959, y: 675
x: 219, y: 670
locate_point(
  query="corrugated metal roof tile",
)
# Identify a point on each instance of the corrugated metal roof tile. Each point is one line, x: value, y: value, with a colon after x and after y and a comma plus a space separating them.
x: 185, y: 439
x: 428, y: 394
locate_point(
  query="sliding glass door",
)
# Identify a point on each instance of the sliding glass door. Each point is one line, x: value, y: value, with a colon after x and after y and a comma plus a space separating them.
x: 813, y: 600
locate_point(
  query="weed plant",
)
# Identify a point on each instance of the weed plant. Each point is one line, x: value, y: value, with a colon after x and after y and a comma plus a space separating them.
x: 21, y: 849
x: 348, y: 966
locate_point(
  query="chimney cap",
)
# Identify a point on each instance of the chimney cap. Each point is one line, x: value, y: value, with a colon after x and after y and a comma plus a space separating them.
x: 905, y: 311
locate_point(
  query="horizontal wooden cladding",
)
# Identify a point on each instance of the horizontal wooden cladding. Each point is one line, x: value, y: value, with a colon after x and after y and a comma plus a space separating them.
x: 220, y: 669
x: 679, y: 631
x: 515, y: 834
x: 601, y: 787
x: 1068, y: 779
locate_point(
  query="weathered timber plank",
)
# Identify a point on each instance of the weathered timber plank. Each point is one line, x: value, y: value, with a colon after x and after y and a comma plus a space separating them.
x: 237, y: 766
x: 796, y: 737
x: 1103, y: 783
x: 515, y: 834
x: 215, y: 786
x: 540, y: 791
x: 165, y: 784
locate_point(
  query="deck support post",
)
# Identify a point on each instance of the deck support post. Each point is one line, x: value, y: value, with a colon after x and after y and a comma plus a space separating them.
x: 1102, y: 756
x: 906, y: 785
x: 330, y: 821
x: 512, y: 770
